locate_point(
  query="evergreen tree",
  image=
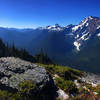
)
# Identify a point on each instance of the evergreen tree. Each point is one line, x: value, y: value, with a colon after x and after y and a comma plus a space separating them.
x: 6, y: 51
x: 12, y: 51
x: 43, y: 58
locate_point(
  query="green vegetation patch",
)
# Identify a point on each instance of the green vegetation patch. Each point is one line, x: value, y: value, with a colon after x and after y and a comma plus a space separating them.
x: 63, y: 71
x: 66, y: 85
x: 26, y: 88
x: 25, y: 92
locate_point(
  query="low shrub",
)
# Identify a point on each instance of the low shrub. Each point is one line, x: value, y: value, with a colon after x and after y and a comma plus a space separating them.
x: 66, y: 85
x: 27, y: 89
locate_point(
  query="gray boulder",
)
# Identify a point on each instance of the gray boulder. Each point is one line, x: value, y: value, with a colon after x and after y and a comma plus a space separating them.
x: 13, y: 71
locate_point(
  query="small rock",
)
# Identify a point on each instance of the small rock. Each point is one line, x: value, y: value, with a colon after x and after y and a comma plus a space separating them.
x: 62, y: 95
x: 55, y: 76
x: 95, y: 93
x: 94, y: 85
x: 76, y: 83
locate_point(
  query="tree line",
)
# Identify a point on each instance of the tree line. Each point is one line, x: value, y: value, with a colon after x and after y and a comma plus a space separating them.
x: 12, y: 51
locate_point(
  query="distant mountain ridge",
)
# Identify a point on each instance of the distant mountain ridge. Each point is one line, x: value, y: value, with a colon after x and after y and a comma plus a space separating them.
x: 73, y: 45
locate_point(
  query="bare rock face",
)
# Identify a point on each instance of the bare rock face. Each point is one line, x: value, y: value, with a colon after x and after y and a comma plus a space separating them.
x: 91, y: 78
x: 13, y: 71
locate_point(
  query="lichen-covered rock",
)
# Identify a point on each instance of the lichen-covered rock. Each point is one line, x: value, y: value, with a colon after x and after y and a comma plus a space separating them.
x: 91, y: 78
x: 13, y: 71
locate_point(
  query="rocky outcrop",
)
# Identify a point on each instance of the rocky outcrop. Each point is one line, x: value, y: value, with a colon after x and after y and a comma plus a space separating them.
x: 91, y: 78
x: 13, y: 71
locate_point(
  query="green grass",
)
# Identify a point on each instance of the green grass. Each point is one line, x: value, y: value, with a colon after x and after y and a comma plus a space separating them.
x: 66, y: 76
x: 66, y: 85
x: 26, y: 87
x: 5, y: 95
x: 63, y: 71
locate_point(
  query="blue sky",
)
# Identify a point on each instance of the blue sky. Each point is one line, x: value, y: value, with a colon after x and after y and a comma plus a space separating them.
x: 35, y: 13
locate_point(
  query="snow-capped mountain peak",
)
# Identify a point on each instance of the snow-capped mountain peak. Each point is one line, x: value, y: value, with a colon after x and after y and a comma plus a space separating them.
x: 55, y: 27
x: 82, y: 24
x: 85, y: 30
x: 80, y: 33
